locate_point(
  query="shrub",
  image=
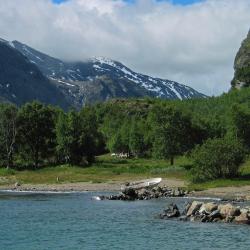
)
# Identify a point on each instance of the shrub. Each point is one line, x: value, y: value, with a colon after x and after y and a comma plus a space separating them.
x: 217, y: 158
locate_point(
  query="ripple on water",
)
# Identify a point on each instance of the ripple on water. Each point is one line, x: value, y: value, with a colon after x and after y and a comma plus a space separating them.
x: 74, y: 221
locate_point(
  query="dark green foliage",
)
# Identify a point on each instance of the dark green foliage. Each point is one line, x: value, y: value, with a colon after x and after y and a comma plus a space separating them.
x: 241, y: 123
x: 137, y: 140
x: 8, y: 132
x: 91, y: 139
x: 64, y: 137
x: 242, y: 75
x: 138, y: 128
x: 77, y: 136
x: 118, y: 141
x: 171, y: 132
x: 36, y: 133
x: 217, y: 158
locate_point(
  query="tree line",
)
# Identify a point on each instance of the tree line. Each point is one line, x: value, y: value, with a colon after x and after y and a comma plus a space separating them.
x: 214, y: 132
x: 35, y: 135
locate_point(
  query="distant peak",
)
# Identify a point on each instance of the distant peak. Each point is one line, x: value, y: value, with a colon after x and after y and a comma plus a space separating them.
x: 104, y: 60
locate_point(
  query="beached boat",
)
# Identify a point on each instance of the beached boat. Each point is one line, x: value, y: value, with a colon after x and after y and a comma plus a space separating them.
x: 149, y: 183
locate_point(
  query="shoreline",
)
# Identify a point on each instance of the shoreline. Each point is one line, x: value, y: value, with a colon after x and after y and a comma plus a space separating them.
x: 112, y: 186
x: 226, y: 193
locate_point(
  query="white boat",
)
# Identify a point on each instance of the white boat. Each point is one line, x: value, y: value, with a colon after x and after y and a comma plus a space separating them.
x: 149, y: 183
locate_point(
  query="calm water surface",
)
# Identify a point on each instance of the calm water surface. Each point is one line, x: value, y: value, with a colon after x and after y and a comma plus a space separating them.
x: 74, y: 221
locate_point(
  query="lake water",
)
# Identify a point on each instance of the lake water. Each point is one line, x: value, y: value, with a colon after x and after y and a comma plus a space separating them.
x: 74, y: 221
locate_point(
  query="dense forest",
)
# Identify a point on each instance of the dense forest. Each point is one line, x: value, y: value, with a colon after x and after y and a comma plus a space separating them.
x: 213, y: 132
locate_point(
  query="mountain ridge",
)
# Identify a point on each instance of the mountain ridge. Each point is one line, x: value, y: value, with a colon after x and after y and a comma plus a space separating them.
x: 21, y: 81
x: 99, y: 79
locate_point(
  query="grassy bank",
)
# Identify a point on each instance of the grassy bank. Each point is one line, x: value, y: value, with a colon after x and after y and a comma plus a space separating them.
x: 105, y: 169
x: 242, y: 180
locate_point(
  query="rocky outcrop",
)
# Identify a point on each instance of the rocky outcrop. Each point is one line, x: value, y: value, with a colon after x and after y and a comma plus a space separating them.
x: 228, y: 210
x: 243, y: 218
x: 208, y: 212
x: 242, y: 65
x: 195, y: 206
x: 172, y: 211
x: 146, y: 194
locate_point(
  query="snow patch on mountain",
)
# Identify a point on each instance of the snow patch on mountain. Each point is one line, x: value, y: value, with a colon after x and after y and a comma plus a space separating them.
x: 74, y: 76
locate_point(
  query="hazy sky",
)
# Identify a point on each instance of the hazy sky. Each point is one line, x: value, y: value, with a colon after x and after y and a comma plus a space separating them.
x: 190, y: 41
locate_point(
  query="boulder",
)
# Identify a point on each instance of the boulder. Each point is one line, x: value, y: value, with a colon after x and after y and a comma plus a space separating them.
x: 213, y: 216
x: 229, y: 219
x: 205, y: 218
x: 172, y: 211
x: 228, y: 210
x: 130, y: 192
x: 186, y: 207
x: 195, y: 206
x: 17, y: 185
x: 247, y: 208
x: 208, y: 208
x: 243, y: 218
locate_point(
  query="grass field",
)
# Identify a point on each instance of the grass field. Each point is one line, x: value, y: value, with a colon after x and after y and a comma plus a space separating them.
x: 108, y: 169
x: 105, y: 169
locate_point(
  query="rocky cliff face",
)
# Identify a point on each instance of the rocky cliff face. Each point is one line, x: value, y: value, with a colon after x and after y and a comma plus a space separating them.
x: 242, y: 65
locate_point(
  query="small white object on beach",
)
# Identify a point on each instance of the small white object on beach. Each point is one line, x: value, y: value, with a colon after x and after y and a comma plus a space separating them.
x: 97, y: 198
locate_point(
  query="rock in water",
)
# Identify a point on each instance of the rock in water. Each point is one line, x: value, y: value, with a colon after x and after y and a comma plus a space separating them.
x: 215, y: 215
x: 195, y: 206
x: 228, y: 210
x: 207, y: 208
x: 172, y: 211
x: 243, y: 218
x: 131, y: 193
x: 209, y: 212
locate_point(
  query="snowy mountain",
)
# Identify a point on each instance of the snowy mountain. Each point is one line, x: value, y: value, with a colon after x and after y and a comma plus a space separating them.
x: 99, y: 79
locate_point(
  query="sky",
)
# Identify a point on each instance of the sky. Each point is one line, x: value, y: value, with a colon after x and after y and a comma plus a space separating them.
x: 182, y: 2
x: 189, y: 41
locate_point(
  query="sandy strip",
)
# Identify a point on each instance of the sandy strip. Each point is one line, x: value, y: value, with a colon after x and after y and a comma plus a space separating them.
x: 227, y: 192
x: 114, y: 186
x: 83, y: 186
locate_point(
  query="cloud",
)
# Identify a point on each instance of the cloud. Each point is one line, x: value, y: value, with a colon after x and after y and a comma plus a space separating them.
x: 194, y: 44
